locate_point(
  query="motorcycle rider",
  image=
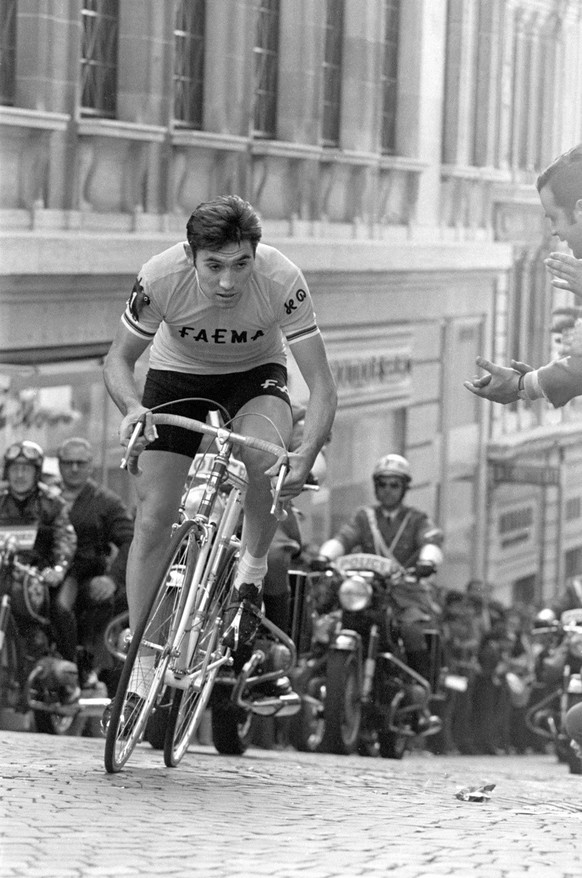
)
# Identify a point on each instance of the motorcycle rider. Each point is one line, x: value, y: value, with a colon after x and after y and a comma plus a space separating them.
x: 394, y: 530
x: 26, y: 500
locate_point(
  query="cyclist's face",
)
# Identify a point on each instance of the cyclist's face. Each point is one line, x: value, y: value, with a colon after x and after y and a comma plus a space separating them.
x: 21, y: 477
x: 223, y: 275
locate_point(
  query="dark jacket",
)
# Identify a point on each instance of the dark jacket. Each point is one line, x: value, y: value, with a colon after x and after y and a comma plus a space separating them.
x: 55, y: 539
x: 100, y: 519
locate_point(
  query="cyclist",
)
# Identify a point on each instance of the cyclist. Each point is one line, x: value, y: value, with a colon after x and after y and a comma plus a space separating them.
x: 216, y: 310
x: 26, y: 500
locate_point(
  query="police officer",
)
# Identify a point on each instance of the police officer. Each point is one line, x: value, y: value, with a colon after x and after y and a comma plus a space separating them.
x: 394, y: 530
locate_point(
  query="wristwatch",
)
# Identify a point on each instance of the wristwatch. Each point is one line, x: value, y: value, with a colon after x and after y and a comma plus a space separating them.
x: 521, y: 393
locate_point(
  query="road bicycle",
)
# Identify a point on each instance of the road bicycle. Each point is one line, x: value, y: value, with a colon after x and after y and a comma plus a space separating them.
x: 177, y: 644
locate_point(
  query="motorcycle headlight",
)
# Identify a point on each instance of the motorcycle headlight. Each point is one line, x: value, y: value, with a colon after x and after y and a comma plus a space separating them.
x: 355, y: 593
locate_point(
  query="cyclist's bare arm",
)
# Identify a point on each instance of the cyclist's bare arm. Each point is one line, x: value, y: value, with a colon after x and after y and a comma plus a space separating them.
x: 118, y: 373
x: 311, y: 359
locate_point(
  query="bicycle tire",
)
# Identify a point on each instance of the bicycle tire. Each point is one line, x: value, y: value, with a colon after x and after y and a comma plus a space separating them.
x: 129, y: 715
x: 188, y: 705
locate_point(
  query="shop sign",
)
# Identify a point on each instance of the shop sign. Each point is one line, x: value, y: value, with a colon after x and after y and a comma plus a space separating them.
x: 524, y: 474
x: 372, y: 372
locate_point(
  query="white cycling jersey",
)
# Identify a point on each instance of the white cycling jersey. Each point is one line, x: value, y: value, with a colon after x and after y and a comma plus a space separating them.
x: 192, y: 335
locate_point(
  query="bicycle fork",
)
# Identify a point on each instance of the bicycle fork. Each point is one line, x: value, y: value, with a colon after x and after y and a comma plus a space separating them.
x: 208, y: 567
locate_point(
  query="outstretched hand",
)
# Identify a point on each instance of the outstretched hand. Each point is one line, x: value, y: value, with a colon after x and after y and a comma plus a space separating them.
x: 499, y: 383
x: 566, y: 272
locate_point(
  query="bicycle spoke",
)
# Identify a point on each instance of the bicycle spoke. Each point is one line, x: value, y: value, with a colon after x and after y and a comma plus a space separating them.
x: 189, y: 704
x: 141, y: 684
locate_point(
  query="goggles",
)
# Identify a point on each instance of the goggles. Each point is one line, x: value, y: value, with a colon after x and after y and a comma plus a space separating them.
x: 26, y: 450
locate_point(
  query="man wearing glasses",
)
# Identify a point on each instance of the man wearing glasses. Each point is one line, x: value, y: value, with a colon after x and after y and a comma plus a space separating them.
x: 95, y: 584
x: 394, y: 530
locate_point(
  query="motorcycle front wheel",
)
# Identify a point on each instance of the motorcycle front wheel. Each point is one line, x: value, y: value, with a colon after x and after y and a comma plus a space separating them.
x: 231, y: 725
x: 392, y: 745
x: 307, y: 728
x: 342, y: 712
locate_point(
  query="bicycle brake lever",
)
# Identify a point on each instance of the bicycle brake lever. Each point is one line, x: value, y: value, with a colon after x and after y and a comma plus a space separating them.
x: 276, y: 510
x: 133, y: 439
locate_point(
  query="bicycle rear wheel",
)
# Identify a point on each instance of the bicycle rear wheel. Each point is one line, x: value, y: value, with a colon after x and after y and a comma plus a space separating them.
x: 140, y: 687
x: 189, y: 704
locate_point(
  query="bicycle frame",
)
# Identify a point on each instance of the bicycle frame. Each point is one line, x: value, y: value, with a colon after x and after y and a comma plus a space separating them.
x: 214, y: 542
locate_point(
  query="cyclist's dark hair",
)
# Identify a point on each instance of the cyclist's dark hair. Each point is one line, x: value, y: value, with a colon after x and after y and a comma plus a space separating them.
x: 227, y: 219
x: 564, y: 178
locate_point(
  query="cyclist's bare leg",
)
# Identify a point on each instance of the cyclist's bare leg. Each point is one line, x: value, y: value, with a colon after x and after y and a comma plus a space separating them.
x: 259, y: 525
x: 159, y: 489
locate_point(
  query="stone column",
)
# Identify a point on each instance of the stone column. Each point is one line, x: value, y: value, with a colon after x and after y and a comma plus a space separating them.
x: 300, y: 58
x: 460, y: 82
x: 228, y: 67
x: 145, y: 52
x: 488, y: 86
x: 420, y: 97
x: 360, y: 99
x: 506, y: 95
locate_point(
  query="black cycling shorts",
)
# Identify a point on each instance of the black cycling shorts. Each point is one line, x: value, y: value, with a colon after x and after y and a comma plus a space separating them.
x: 231, y: 391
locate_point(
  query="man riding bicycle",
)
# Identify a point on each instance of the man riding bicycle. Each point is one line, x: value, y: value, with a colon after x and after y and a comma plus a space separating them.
x: 216, y: 311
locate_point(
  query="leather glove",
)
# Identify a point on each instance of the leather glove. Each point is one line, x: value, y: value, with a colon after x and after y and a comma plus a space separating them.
x: 424, y: 569
x: 318, y: 565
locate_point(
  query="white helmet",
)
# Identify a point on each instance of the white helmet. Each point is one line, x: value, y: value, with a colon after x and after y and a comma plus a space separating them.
x: 392, y: 465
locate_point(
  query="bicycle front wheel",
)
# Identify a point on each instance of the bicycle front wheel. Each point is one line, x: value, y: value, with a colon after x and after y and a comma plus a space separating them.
x: 140, y: 689
x: 189, y: 704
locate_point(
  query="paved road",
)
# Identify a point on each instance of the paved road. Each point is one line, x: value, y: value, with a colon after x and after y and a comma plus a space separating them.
x: 281, y: 814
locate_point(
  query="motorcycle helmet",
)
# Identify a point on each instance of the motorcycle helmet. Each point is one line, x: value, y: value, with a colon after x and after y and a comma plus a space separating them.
x: 24, y: 452
x: 392, y: 465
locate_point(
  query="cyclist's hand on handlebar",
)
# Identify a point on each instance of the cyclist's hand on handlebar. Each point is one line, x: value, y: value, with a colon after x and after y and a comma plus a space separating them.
x: 298, y: 469
x: 147, y: 435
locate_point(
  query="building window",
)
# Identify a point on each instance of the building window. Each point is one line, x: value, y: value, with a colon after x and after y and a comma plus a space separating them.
x: 389, y: 76
x: 266, y: 68
x: 99, y: 57
x: 7, y: 51
x: 524, y: 591
x: 573, y: 508
x: 515, y: 520
x: 573, y: 562
x: 189, y: 62
x: 332, y: 72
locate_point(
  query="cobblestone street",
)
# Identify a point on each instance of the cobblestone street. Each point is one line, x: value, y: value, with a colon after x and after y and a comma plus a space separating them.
x: 281, y: 813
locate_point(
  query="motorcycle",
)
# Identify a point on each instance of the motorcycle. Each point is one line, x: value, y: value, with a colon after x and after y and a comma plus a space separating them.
x: 561, y: 679
x: 357, y: 686
x: 33, y: 676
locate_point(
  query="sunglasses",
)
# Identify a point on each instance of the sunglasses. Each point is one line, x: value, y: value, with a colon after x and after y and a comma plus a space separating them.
x: 389, y: 483
x: 28, y: 450
x: 74, y: 462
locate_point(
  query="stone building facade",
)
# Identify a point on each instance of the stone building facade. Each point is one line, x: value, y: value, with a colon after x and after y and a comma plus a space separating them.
x: 391, y: 148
